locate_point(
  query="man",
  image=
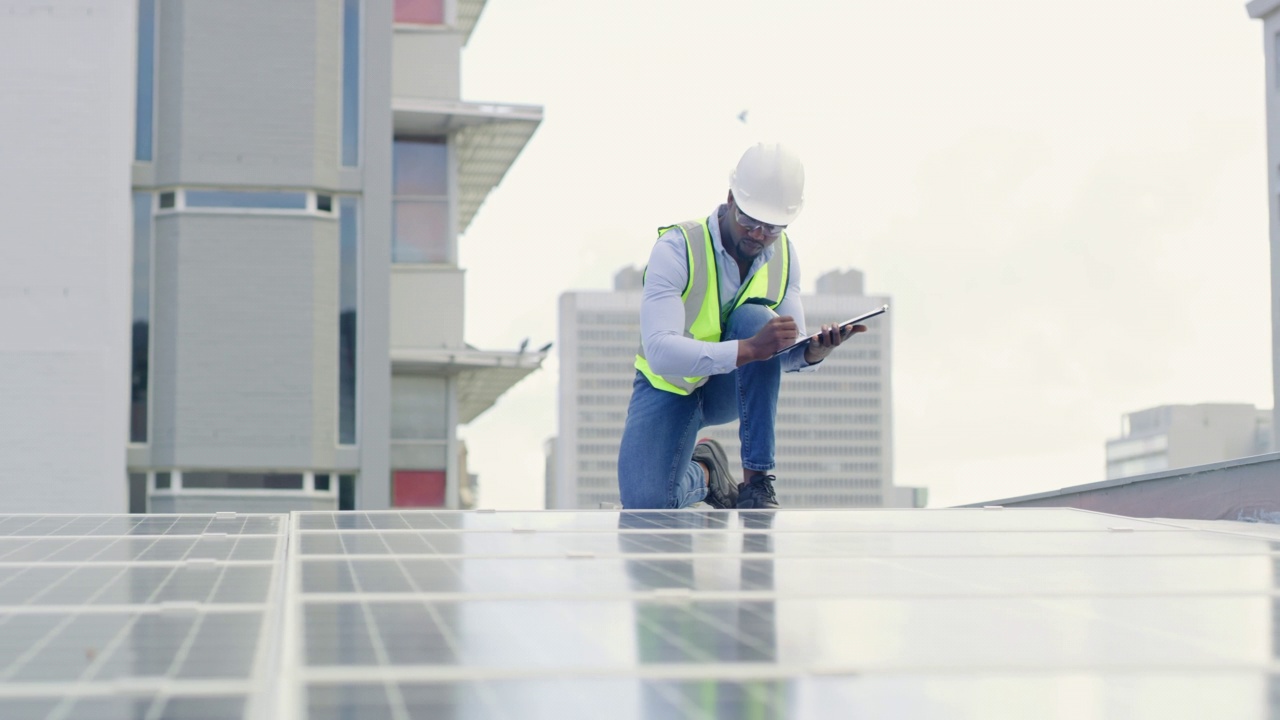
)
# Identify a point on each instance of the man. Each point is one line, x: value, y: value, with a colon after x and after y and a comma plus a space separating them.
x: 721, y: 296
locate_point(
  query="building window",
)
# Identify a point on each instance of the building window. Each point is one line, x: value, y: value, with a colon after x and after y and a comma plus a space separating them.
x: 420, y: 12
x: 351, y: 83
x: 137, y: 493
x: 145, y: 108
x: 215, y: 480
x: 251, y: 201
x: 140, y: 367
x: 420, y: 222
x: 348, y: 317
x: 346, y: 492
x: 246, y: 199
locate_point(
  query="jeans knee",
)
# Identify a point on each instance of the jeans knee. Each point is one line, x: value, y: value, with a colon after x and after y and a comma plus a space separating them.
x: 747, y: 320
x: 640, y: 493
x: 643, y: 498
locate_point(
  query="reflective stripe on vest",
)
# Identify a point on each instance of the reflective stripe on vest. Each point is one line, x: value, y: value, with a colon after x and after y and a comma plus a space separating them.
x: 701, y: 297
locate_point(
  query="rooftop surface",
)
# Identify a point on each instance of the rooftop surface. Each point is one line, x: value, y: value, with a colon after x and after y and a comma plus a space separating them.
x: 957, y: 613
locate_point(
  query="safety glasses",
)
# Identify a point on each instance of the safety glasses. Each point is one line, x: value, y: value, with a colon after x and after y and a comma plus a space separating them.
x: 751, y: 224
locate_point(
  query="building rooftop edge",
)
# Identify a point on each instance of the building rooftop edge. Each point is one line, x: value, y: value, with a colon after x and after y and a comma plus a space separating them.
x: 1135, y: 479
x: 467, y: 108
x: 469, y: 358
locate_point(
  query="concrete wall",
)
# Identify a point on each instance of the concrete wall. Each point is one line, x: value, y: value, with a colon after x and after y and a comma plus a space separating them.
x: 374, y: 486
x: 65, y: 276
x: 249, y: 92
x: 427, y: 64
x: 426, y: 307
x: 245, y: 366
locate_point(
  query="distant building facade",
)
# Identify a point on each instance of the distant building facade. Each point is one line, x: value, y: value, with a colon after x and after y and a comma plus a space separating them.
x: 834, y: 429
x: 301, y: 174
x: 549, y: 473
x: 598, y: 334
x: 1177, y: 436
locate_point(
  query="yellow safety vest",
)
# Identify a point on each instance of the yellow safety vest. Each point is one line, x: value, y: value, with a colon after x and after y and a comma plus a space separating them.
x: 701, y: 297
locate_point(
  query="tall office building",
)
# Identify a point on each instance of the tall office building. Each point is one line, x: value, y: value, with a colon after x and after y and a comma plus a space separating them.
x: 834, y: 427
x: 302, y: 171
x: 598, y: 333
x: 1178, y: 436
x: 1268, y: 11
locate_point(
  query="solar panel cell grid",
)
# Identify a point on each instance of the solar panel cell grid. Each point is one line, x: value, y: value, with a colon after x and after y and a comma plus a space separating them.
x: 399, y: 614
x: 135, y: 616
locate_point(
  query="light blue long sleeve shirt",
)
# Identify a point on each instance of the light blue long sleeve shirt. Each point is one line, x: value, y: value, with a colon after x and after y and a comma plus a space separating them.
x: 666, y: 348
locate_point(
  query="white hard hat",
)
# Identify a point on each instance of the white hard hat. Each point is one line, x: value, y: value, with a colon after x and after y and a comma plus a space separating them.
x: 768, y: 183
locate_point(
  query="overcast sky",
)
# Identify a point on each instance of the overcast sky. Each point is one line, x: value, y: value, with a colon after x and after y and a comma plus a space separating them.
x: 1067, y: 204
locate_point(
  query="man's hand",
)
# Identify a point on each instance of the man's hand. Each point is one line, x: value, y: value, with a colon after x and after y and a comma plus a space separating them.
x: 776, y: 334
x: 828, y: 339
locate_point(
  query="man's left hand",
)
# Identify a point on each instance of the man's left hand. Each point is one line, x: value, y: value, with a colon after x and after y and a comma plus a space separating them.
x: 828, y: 339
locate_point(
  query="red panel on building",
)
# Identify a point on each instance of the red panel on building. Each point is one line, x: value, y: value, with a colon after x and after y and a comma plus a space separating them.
x: 418, y: 488
x: 422, y: 12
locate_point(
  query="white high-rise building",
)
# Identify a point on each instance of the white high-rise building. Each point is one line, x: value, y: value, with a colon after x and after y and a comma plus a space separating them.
x: 835, y: 427
x: 1176, y: 436
x: 599, y: 332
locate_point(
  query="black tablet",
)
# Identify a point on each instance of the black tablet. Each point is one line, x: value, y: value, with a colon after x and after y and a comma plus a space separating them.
x: 851, y: 321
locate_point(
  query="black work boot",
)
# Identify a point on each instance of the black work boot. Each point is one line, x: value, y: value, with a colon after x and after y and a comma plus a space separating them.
x: 757, y: 493
x: 722, y: 492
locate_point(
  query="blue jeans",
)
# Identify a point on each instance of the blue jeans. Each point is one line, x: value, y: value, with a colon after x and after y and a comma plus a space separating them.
x: 655, y: 466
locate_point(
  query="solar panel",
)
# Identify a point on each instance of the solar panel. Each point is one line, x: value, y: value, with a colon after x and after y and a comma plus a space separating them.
x: 796, y: 613
x: 136, y: 616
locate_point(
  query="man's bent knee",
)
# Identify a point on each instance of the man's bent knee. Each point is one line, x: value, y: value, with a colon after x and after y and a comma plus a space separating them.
x: 747, y: 320
x: 639, y: 497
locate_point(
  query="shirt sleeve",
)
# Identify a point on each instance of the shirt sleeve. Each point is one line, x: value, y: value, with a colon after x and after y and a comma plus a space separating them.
x: 791, y: 305
x: 666, y: 348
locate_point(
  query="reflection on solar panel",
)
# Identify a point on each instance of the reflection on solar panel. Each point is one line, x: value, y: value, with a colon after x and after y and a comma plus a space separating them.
x: 689, y: 614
